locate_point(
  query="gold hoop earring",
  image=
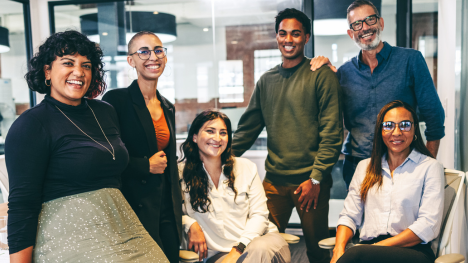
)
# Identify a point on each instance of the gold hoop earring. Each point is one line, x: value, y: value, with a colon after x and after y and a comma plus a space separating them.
x: 415, y: 137
x: 48, y: 85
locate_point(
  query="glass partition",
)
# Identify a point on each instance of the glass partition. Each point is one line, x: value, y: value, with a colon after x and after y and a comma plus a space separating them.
x: 14, y: 92
x: 216, y: 49
x: 424, y: 39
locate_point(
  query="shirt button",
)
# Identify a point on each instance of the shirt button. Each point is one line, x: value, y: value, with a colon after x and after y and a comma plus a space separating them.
x: 140, y: 205
x: 143, y: 181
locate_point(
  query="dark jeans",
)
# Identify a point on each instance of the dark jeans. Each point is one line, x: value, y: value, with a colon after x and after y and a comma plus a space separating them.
x: 370, y: 254
x: 349, y: 167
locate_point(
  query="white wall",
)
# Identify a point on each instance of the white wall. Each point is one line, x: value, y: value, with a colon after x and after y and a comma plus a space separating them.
x: 446, y: 78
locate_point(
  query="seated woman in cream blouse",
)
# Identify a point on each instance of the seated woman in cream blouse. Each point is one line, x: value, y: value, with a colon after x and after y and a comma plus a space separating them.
x: 225, y: 211
x: 396, y: 197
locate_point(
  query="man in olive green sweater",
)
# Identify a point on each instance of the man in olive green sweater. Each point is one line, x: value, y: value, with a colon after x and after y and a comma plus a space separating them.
x: 302, y: 114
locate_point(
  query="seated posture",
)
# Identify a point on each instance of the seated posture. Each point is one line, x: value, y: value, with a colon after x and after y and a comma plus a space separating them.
x: 225, y: 210
x: 396, y: 197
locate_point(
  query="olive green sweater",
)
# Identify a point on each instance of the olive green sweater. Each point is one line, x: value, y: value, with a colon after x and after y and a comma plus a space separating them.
x: 302, y: 114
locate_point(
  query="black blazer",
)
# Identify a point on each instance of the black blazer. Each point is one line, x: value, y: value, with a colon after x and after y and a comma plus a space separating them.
x: 141, y: 188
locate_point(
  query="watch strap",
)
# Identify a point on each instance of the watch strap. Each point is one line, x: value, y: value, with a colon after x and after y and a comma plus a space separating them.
x: 314, y: 181
x: 240, y: 247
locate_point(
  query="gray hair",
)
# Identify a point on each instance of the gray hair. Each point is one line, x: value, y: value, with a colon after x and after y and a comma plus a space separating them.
x: 359, y: 3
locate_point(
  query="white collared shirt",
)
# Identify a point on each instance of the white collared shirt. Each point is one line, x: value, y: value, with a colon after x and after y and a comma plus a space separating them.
x: 413, y: 198
x: 229, y: 222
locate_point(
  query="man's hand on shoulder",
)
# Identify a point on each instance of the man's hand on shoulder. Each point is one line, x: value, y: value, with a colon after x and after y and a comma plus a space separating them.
x: 319, y: 61
x: 309, y: 194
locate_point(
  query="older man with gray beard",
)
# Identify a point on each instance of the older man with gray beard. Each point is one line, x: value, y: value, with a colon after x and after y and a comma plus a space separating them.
x: 378, y: 75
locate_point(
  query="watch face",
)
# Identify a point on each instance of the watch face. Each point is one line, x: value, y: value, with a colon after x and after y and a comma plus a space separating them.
x: 240, y: 247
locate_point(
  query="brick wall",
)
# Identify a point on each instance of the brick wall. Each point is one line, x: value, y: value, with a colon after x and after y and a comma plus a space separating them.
x: 241, y: 42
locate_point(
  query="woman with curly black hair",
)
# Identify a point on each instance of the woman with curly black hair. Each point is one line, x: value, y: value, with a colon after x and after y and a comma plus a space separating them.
x: 64, y: 159
x: 226, y: 215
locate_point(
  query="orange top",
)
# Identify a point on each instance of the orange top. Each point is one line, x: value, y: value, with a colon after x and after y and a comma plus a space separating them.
x: 162, y: 132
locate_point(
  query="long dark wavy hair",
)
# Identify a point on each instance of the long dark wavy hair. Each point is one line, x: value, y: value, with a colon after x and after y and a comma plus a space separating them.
x: 374, y: 170
x: 195, y: 177
x: 61, y: 44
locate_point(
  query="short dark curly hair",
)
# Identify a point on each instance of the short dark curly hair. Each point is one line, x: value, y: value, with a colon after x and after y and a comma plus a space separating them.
x: 61, y: 44
x: 296, y: 14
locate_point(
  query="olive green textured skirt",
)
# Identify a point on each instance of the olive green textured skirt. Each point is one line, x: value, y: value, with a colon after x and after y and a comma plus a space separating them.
x: 96, y: 226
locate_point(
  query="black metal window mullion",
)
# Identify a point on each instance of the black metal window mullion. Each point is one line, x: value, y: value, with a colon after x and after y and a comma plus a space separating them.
x: 308, y: 8
x: 404, y: 22
x: 28, y: 40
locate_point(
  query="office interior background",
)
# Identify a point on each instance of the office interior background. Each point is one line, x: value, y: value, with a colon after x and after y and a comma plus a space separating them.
x: 218, y: 49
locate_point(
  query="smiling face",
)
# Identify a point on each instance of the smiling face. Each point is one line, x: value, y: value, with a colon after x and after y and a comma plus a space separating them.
x: 149, y: 69
x: 70, y: 77
x: 368, y: 38
x: 397, y: 141
x: 291, y: 39
x: 212, y: 139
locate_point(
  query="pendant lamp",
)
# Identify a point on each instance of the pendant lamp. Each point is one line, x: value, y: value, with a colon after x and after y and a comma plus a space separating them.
x: 4, y: 40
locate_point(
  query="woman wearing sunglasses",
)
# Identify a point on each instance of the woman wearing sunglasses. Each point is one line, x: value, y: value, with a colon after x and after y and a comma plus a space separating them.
x: 396, y: 197
x: 150, y: 182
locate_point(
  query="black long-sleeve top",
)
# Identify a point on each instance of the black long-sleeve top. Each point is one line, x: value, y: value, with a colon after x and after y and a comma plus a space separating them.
x: 47, y: 157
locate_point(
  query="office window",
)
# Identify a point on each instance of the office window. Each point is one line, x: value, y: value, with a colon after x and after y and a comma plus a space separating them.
x: 14, y: 92
x: 231, y: 81
x: 265, y: 60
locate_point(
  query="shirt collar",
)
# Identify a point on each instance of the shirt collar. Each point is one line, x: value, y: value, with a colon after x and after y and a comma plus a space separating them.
x: 221, y: 178
x: 415, y: 156
x: 382, y: 55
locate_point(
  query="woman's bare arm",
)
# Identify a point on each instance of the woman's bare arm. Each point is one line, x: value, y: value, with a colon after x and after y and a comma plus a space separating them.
x: 405, y: 239
x: 23, y: 256
x: 343, y: 235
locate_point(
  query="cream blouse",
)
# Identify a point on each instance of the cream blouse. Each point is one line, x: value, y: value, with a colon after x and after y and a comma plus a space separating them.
x: 229, y: 222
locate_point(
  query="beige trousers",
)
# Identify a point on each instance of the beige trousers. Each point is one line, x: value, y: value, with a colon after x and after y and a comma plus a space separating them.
x: 269, y: 248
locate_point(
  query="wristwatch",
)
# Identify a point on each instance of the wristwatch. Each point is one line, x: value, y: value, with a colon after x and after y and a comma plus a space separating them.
x: 241, y: 247
x: 314, y: 181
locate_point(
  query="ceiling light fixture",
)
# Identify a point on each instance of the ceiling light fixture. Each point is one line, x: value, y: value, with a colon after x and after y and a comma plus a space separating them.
x: 162, y: 24
x: 4, y: 40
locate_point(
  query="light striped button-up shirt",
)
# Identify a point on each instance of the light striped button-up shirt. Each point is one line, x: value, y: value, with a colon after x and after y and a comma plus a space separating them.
x: 413, y: 198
